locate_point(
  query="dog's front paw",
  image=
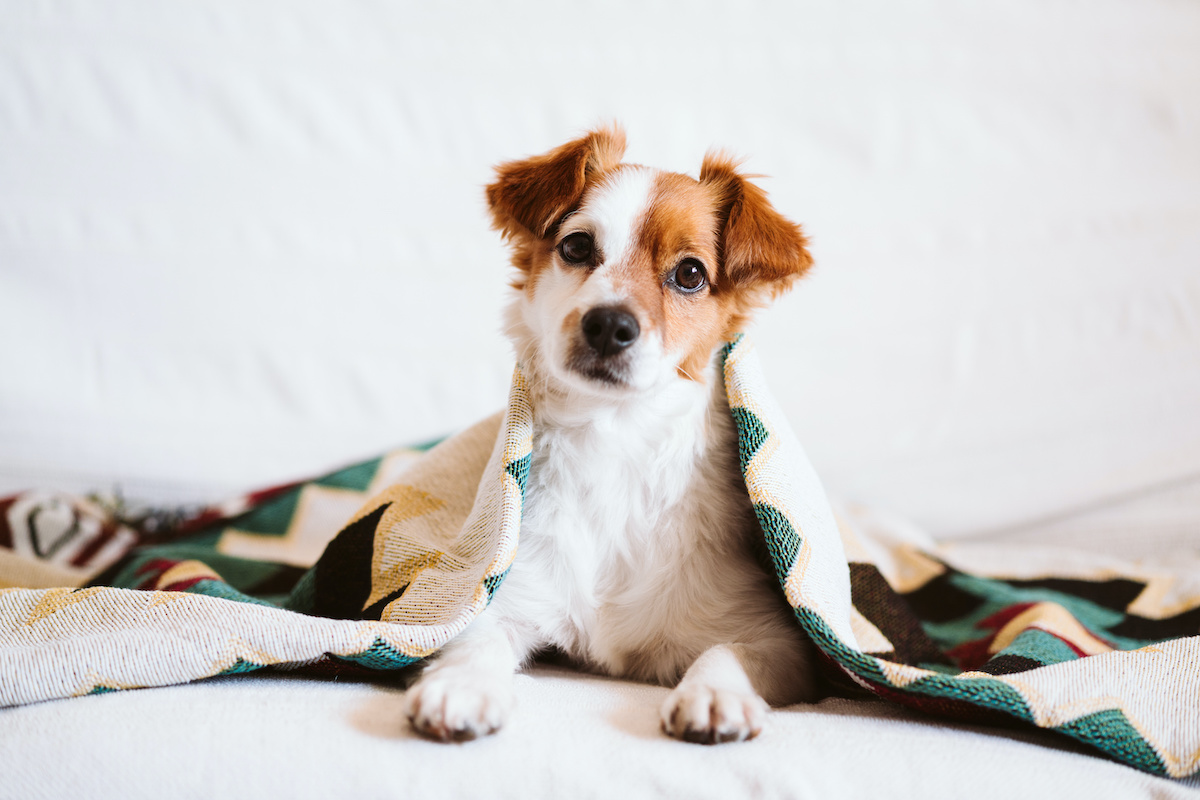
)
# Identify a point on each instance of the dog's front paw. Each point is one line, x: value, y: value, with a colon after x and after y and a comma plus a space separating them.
x: 456, y: 705
x: 698, y: 713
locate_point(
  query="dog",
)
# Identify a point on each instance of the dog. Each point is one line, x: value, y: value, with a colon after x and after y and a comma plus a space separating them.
x: 639, y: 549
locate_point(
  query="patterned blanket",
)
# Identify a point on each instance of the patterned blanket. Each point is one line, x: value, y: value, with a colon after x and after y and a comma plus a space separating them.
x: 96, y: 599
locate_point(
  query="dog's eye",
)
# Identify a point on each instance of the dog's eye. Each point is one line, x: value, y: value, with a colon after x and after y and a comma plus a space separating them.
x: 690, y: 276
x: 576, y: 248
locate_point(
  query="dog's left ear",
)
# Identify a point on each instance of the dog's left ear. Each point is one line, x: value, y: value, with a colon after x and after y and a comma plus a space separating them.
x: 758, y: 244
x: 532, y: 195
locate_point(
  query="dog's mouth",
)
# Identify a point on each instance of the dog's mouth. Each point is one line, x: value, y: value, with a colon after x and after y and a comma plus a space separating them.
x: 612, y: 371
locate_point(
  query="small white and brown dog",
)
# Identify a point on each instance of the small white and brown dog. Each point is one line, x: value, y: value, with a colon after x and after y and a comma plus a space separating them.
x: 638, y: 550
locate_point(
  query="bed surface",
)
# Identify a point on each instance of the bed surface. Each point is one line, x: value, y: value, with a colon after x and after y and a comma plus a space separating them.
x: 572, y: 735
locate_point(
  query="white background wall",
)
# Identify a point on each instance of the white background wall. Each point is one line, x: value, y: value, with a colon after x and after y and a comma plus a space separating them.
x: 245, y: 242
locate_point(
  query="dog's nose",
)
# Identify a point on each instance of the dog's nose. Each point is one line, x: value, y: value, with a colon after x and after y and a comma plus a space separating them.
x: 609, y: 330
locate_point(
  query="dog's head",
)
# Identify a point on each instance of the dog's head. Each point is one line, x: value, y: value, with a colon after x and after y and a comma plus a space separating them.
x: 629, y: 277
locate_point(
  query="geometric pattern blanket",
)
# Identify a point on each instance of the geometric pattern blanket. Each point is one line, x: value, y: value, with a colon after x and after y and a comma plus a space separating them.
x: 94, y: 600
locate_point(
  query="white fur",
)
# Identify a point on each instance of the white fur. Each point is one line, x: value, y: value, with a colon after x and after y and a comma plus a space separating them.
x: 615, y: 211
x: 636, y: 555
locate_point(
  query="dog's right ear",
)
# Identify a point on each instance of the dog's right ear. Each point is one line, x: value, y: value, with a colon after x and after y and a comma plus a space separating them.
x: 531, y: 196
x: 759, y: 247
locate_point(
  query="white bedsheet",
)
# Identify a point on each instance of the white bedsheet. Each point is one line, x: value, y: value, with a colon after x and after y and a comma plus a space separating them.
x: 572, y: 736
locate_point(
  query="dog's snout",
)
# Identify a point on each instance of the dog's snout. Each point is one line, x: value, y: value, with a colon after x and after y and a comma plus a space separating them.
x: 609, y: 330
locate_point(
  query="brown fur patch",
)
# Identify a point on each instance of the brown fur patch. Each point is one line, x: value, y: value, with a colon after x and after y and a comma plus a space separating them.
x: 684, y: 224
x: 530, y: 256
x: 762, y: 252
x: 529, y: 197
x: 758, y: 245
x: 572, y: 322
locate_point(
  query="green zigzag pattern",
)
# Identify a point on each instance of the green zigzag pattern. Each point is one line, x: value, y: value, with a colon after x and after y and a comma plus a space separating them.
x: 241, y: 666
x: 273, y: 517
x: 1109, y: 731
x: 380, y: 655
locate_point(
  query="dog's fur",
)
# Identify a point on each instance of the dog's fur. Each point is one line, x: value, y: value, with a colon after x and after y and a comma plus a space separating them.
x: 637, y: 552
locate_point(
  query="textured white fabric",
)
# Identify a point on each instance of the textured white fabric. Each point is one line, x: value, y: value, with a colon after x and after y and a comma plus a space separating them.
x: 571, y: 736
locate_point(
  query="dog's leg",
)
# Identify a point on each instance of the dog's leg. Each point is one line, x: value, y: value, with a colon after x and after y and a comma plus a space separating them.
x: 720, y: 698
x: 467, y: 691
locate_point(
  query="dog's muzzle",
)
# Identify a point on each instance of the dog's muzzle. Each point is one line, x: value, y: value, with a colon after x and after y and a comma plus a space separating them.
x: 609, y: 330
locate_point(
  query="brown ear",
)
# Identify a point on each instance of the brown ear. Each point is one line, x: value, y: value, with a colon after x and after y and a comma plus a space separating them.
x: 758, y: 245
x: 531, y: 196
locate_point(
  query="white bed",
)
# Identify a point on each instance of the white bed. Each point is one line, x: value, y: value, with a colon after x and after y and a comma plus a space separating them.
x: 572, y: 736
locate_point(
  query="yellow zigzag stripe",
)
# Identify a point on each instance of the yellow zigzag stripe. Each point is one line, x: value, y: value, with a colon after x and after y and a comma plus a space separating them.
x: 55, y: 600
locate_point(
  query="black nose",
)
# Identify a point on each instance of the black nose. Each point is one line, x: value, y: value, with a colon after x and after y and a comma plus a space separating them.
x: 609, y: 330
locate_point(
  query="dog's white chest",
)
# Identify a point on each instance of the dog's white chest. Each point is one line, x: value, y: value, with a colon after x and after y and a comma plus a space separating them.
x: 617, y: 530
x: 602, y: 548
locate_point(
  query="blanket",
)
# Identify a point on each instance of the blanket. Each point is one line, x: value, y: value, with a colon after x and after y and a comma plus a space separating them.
x: 95, y: 599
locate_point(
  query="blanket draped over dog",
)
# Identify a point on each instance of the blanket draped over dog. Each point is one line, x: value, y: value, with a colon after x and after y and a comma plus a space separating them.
x: 1105, y: 653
